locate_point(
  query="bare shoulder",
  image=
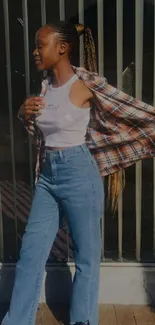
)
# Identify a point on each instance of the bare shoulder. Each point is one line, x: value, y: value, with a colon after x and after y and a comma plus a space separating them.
x: 79, y: 86
x: 80, y: 95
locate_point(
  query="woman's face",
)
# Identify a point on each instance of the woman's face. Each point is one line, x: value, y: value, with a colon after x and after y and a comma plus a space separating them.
x: 48, y: 49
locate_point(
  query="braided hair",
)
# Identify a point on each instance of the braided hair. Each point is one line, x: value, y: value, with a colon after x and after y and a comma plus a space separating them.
x: 71, y: 33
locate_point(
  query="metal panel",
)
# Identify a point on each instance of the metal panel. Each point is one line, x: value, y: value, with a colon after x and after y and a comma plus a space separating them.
x: 9, y: 85
x: 139, y: 71
x: 81, y: 21
x: 119, y: 20
x: 139, y: 6
x: 27, y: 77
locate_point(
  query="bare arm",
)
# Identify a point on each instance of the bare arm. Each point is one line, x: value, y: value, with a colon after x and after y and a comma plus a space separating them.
x: 80, y: 95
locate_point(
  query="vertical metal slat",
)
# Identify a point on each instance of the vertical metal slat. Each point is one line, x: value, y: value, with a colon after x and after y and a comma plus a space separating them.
x: 9, y: 85
x: 27, y: 76
x: 43, y: 12
x: 1, y: 231
x: 139, y: 71
x: 62, y: 9
x: 43, y: 22
x: 119, y: 43
x: 100, y: 18
x: 81, y: 21
x: 62, y: 17
x: 120, y: 222
x: 119, y: 11
x: 154, y: 158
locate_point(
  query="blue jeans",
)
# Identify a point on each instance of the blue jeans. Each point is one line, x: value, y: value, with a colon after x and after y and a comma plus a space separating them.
x: 69, y: 181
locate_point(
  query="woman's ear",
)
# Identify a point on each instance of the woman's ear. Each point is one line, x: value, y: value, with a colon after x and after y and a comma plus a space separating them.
x: 63, y: 48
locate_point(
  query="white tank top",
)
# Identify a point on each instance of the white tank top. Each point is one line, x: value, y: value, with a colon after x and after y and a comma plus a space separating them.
x: 62, y: 123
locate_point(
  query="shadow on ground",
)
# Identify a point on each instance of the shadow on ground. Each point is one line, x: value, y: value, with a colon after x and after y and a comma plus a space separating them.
x: 58, y: 288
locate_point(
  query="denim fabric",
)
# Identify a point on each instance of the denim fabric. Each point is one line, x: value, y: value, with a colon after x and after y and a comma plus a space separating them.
x: 69, y: 181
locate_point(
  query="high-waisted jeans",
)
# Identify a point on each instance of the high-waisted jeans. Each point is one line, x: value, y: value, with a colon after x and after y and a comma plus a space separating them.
x: 69, y: 182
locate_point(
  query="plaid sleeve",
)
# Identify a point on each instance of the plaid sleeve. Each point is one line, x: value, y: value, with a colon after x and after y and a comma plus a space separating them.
x: 122, y: 128
x: 28, y: 124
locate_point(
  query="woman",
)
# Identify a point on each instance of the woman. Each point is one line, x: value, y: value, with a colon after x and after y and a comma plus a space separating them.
x: 77, y: 110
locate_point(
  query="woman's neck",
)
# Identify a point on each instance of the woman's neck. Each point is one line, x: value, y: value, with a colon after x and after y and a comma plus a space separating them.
x: 61, y: 74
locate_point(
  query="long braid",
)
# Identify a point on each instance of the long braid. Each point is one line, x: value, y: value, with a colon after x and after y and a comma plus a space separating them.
x: 90, y: 60
x: 116, y: 181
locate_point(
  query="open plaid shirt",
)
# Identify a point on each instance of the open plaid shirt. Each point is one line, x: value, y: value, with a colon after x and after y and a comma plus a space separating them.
x: 121, y: 130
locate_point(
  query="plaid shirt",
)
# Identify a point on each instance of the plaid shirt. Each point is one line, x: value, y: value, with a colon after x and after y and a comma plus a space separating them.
x: 121, y: 130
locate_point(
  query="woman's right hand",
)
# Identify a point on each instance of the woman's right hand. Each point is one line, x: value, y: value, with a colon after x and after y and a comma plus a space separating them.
x: 31, y: 106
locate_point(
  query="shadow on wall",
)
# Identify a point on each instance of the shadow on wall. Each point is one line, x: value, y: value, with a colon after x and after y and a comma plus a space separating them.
x: 6, y: 285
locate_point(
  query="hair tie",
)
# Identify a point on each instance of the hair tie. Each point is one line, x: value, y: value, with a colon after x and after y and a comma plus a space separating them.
x: 80, y: 29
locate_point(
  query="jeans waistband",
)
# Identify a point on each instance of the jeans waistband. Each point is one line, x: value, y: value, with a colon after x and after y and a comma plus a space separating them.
x: 70, y: 151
